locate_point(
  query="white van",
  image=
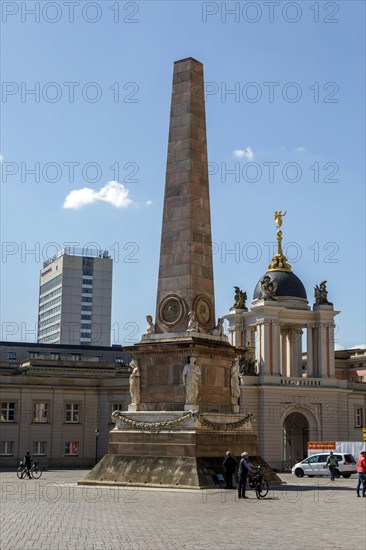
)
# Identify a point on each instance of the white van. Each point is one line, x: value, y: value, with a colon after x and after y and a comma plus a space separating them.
x: 316, y: 465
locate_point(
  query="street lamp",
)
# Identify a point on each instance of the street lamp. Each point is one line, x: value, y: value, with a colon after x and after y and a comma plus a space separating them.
x: 96, y: 433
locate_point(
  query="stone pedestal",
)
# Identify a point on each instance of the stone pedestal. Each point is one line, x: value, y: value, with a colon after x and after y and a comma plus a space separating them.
x: 173, y: 449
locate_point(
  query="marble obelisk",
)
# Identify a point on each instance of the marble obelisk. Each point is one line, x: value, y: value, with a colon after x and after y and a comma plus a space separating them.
x: 185, y: 272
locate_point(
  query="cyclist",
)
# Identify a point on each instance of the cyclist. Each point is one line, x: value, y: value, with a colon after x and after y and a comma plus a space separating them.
x: 28, y: 463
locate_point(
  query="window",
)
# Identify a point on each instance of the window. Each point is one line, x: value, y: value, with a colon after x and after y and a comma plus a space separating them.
x: 8, y: 411
x: 12, y: 355
x: 76, y: 357
x: 86, y: 317
x: 87, y: 281
x: 39, y: 448
x: 33, y: 354
x: 85, y: 326
x: 40, y: 411
x: 72, y: 448
x: 55, y: 356
x: 86, y: 291
x: 313, y: 459
x: 49, y: 329
x: 73, y: 412
x: 85, y: 335
x: 361, y: 378
x: 85, y: 299
x: 6, y: 448
x: 358, y: 417
x: 51, y: 284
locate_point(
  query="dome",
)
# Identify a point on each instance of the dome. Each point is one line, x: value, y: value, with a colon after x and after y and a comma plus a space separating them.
x: 288, y: 285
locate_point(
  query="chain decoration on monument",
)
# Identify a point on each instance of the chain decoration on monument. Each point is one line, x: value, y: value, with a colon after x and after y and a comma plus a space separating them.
x: 153, y: 425
x: 222, y: 426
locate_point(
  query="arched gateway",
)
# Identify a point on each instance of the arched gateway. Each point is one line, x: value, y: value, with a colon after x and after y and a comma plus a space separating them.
x: 295, y: 438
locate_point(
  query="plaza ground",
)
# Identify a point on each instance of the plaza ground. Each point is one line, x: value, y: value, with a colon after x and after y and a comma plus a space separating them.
x: 54, y: 513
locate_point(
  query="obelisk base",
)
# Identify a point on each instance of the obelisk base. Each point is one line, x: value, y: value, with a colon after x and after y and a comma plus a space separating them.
x: 181, y: 449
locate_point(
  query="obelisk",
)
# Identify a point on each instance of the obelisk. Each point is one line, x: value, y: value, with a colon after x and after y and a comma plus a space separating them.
x: 185, y: 415
x: 185, y: 271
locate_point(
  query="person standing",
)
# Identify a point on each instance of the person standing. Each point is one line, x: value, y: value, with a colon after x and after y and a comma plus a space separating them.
x: 332, y: 464
x: 28, y: 463
x: 243, y: 470
x: 229, y: 465
x: 361, y: 470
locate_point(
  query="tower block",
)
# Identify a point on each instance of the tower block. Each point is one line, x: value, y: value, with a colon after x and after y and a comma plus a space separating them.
x: 185, y: 273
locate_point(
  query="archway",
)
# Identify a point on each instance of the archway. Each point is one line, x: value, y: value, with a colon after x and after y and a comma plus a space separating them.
x: 295, y: 438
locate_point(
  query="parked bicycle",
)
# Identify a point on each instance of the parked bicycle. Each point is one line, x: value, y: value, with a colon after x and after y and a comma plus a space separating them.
x: 258, y: 482
x: 35, y: 472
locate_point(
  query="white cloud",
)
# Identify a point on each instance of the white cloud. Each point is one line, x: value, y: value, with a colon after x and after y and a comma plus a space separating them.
x: 113, y: 193
x: 244, y: 153
x: 300, y: 149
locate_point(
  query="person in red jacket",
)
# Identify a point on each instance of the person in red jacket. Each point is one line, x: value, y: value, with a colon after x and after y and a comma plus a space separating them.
x: 361, y: 470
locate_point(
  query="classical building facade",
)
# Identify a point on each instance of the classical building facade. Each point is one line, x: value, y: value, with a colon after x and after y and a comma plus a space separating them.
x: 75, y: 298
x: 296, y: 397
x: 56, y: 401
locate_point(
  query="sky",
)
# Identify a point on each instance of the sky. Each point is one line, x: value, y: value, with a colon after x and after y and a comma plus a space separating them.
x: 85, y: 115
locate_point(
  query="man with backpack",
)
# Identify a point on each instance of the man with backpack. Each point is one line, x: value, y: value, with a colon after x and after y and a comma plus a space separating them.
x: 332, y: 464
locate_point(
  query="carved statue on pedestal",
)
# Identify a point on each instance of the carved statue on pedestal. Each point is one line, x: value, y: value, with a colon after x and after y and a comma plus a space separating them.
x: 219, y: 328
x: 235, y: 382
x: 193, y: 324
x: 150, y: 329
x: 191, y: 377
x: 135, y: 382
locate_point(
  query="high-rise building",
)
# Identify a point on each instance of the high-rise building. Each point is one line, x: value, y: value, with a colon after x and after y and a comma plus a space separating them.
x: 75, y: 298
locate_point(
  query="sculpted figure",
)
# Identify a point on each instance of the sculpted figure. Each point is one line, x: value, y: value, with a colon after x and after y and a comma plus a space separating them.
x: 150, y: 329
x: 193, y: 325
x: 268, y: 288
x: 240, y: 298
x: 190, y: 377
x: 135, y: 382
x: 321, y: 294
x: 219, y: 328
x: 278, y: 218
x: 247, y: 363
x: 235, y: 382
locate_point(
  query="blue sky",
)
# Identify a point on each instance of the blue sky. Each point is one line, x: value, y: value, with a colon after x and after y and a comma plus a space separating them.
x: 290, y: 136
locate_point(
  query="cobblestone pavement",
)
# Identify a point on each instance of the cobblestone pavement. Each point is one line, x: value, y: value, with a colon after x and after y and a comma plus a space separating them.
x: 54, y: 513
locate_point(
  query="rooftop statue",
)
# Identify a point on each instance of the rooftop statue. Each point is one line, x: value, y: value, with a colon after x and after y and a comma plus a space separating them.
x: 268, y: 288
x: 321, y: 294
x: 278, y: 218
x: 240, y: 298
